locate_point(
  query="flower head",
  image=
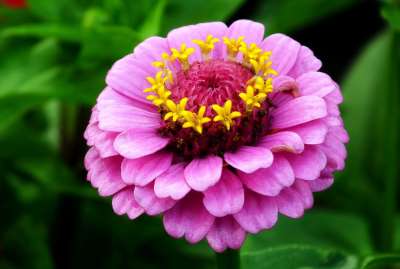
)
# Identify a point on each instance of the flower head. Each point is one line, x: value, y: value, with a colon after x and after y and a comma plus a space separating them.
x: 218, y: 145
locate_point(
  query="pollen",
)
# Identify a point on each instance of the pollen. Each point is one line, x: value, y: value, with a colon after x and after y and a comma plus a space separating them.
x: 225, y: 115
x: 251, y: 99
x: 233, y: 46
x: 262, y: 85
x: 206, y: 46
x: 182, y: 55
x: 195, y: 121
x: 176, y: 110
x: 161, y: 97
x: 156, y: 83
x: 252, y: 52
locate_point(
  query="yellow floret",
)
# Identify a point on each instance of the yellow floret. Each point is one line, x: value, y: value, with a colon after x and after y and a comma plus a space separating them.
x: 176, y: 110
x: 251, y: 100
x: 194, y: 120
x: 182, y: 55
x: 225, y: 115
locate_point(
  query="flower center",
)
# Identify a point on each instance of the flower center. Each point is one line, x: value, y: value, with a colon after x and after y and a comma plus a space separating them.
x: 214, y: 105
x: 211, y: 82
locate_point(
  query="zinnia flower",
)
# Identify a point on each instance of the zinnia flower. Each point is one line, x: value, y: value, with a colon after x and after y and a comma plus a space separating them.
x: 218, y: 130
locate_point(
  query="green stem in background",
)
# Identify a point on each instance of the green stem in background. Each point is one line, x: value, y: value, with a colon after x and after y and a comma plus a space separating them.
x: 229, y: 259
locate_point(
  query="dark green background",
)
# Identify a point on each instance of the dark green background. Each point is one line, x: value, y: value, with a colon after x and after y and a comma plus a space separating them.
x: 53, y: 59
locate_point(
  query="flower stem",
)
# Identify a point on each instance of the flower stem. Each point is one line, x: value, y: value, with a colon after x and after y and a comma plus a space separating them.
x: 229, y: 259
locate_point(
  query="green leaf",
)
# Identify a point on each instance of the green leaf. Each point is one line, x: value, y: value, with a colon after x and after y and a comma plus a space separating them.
x: 297, y: 256
x: 152, y: 25
x: 380, y: 259
x: 325, y: 229
x: 391, y: 13
x: 45, y: 30
x: 279, y: 16
x: 180, y: 13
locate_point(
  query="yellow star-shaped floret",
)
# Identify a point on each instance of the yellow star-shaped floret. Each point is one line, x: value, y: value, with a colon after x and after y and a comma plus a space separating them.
x: 262, y: 85
x: 225, y: 115
x: 206, y: 46
x: 157, y: 82
x: 161, y: 97
x: 182, y: 55
x: 163, y: 63
x: 251, y: 52
x: 262, y: 65
x: 252, y: 100
x: 194, y: 120
x: 233, y: 45
x: 176, y: 110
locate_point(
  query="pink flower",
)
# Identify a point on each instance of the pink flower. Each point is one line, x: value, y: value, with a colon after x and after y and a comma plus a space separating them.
x: 218, y: 130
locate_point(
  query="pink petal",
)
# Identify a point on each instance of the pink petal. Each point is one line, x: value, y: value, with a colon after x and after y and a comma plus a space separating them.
x: 150, y: 50
x: 253, y: 32
x: 340, y: 133
x: 335, y: 97
x: 188, y: 218
x: 92, y: 155
x: 105, y: 175
x: 320, y: 184
x: 297, y: 111
x: 304, y: 190
x: 226, y: 197
x: 216, y: 29
x: 312, y: 133
x: 335, y: 151
x: 172, y: 183
x: 110, y: 96
x: 203, y: 173
x: 290, y: 203
x: 153, y: 205
x: 144, y: 170
x: 225, y: 233
x: 305, y: 62
x: 249, y: 159
x: 119, y: 118
x: 134, y: 144
x: 285, y: 83
x: 104, y: 143
x: 124, y: 203
x: 284, y: 52
x: 185, y: 34
x: 127, y: 78
x: 309, y: 164
x: 270, y: 181
x: 283, y: 141
x: 316, y: 83
x: 258, y: 213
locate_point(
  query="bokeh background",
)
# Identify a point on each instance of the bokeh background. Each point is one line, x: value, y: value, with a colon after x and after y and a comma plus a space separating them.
x: 54, y: 55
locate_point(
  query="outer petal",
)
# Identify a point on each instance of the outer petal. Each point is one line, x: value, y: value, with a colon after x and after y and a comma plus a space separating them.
x: 203, y: 173
x: 320, y: 184
x: 226, y: 197
x: 109, y: 96
x: 253, y: 32
x: 216, y: 29
x: 249, y: 159
x: 297, y: 111
x: 105, y: 175
x: 258, y: 213
x: 124, y: 203
x: 335, y: 151
x: 312, y: 133
x: 119, y: 118
x: 316, y: 83
x: 305, y: 62
x: 142, y: 171
x: 92, y: 155
x: 290, y: 203
x: 172, y: 183
x: 149, y: 51
x: 283, y: 141
x: 309, y: 164
x: 134, y: 144
x: 153, y: 205
x: 304, y: 190
x: 188, y: 218
x: 284, y: 52
x: 270, y: 181
x: 225, y: 233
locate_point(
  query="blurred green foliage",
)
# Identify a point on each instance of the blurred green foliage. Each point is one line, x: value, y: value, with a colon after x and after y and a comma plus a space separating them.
x: 54, y: 57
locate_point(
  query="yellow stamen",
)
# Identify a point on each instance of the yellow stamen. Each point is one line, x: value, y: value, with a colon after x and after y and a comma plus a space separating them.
x: 161, y: 97
x: 163, y: 65
x: 194, y: 120
x: 182, y: 55
x: 261, y: 85
x: 157, y: 82
x: 262, y: 65
x: 233, y: 46
x: 176, y: 110
x: 251, y: 52
x: 206, y: 46
x: 225, y: 115
x: 252, y: 100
